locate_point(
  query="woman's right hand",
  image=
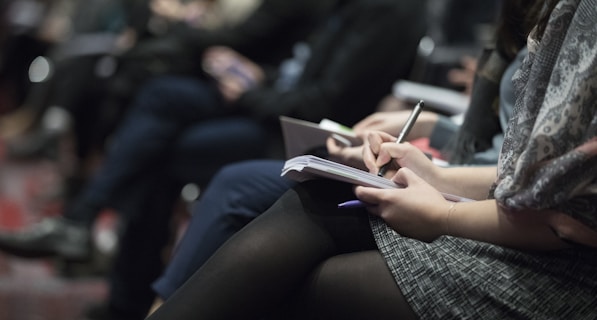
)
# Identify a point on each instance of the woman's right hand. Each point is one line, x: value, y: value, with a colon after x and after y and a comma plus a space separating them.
x: 381, y: 148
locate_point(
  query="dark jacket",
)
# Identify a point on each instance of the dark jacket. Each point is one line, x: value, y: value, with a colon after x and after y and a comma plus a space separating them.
x: 267, y: 35
x: 355, y: 58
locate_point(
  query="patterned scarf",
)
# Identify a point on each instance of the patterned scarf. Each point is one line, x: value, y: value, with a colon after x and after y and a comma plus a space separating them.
x: 549, y: 156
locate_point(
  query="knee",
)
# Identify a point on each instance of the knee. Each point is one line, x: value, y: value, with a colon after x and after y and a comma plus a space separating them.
x: 156, y: 87
x: 231, y: 176
x: 247, y: 187
x: 171, y: 95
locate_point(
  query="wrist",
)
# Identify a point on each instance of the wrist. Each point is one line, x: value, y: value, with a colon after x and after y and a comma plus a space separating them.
x: 434, y: 175
x: 448, y: 216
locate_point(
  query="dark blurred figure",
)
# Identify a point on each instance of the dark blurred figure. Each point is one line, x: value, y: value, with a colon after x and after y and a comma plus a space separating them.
x: 457, y: 29
x: 69, y: 72
x: 182, y: 128
x: 267, y: 35
x: 92, y: 86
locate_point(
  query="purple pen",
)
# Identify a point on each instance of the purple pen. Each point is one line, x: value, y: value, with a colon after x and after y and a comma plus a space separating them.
x: 353, y: 204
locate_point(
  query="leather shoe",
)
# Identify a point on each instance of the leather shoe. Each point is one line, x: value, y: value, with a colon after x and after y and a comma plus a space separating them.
x: 35, y: 145
x: 48, y: 238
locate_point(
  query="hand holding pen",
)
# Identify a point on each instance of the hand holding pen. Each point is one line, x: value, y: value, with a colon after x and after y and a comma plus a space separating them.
x: 410, y: 122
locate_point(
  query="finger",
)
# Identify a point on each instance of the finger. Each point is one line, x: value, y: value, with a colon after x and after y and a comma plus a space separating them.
x: 404, y: 154
x: 222, y: 50
x: 371, y: 148
x: 211, y: 52
x: 391, y: 151
x: 230, y: 90
x: 384, y: 156
x: 469, y: 63
x: 457, y: 76
x: 377, y: 138
x: 374, y: 142
x: 369, y: 195
x: 332, y: 146
x: 369, y: 158
x: 374, y: 197
x: 406, y: 177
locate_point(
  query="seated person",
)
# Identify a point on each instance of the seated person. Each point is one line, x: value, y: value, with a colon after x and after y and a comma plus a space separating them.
x: 525, y: 249
x: 181, y: 130
x: 240, y: 192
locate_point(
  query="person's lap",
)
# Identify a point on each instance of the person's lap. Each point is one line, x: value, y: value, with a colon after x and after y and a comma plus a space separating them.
x: 148, y: 204
x: 236, y: 195
x: 301, y: 232
x: 204, y: 148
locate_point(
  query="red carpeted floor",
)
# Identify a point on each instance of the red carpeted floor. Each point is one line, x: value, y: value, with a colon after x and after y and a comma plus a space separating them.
x: 43, y: 289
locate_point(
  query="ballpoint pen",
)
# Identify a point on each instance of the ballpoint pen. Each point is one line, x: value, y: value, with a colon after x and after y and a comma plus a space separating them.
x: 356, y: 203
x: 353, y: 204
x: 410, y: 122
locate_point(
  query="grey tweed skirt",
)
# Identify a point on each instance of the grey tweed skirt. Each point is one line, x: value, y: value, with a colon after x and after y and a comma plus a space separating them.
x: 453, y: 278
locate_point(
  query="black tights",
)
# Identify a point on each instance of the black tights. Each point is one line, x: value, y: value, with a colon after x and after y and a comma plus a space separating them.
x: 303, y: 259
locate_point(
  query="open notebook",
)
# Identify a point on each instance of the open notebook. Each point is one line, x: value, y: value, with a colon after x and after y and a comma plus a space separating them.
x: 307, y: 167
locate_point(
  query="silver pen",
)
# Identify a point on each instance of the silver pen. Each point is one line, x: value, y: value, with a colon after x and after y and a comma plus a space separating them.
x: 410, y: 122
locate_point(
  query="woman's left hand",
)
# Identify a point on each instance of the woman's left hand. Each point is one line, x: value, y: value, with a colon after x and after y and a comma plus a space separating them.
x: 418, y: 210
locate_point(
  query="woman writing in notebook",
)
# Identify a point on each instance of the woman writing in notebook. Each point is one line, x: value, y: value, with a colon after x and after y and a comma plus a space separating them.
x: 526, y: 249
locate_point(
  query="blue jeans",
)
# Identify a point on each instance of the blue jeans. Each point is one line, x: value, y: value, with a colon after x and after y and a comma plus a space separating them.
x: 177, y: 131
x: 163, y: 110
x: 147, y: 206
x: 235, y: 196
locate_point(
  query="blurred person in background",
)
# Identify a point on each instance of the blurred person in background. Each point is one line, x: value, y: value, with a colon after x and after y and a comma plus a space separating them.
x: 350, y: 67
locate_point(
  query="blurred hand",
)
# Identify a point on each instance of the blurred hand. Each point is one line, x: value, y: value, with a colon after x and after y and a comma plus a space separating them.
x: 351, y: 156
x: 176, y: 10
x: 234, y: 73
x: 392, y: 103
x: 464, y: 76
x: 392, y: 122
x: 170, y: 9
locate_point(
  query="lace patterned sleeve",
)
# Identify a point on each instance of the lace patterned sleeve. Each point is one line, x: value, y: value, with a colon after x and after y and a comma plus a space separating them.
x: 549, y: 156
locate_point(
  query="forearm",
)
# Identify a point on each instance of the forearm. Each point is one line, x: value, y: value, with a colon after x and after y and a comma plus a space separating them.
x: 423, y: 127
x: 486, y: 221
x: 470, y: 182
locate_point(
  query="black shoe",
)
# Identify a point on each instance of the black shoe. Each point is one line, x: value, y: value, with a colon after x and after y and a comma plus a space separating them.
x: 36, y: 145
x: 49, y: 238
